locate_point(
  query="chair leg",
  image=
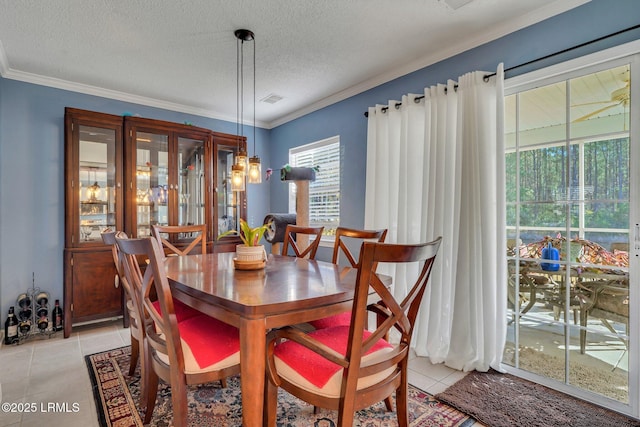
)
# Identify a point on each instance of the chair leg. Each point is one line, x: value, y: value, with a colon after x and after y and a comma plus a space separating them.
x: 223, y: 382
x: 151, y: 391
x: 583, y: 332
x: 270, y: 404
x: 401, y: 404
x: 145, y: 374
x: 179, y: 402
x: 346, y: 411
x: 135, y: 355
x: 389, y: 404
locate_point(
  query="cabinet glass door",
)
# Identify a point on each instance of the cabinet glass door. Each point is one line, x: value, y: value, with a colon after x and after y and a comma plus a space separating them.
x: 191, y: 181
x: 152, y: 180
x: 97, y: 182
x: 228, y: 207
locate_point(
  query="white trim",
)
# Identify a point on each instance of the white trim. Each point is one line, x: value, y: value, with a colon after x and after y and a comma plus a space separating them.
x: 507, y: 27
x: 4, y: 62
x: 314, y: 145
x: 56, y: 83
x: 627, y: 53
x: 537, y: 77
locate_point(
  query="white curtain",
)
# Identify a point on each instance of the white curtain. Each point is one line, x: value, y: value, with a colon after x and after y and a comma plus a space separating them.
x: 435, y: 167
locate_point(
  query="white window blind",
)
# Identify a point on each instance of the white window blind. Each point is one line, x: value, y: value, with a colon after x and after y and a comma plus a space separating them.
x: 324, y: 192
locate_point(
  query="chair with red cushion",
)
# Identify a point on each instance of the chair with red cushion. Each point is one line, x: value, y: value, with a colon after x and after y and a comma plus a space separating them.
x: 109, y: 237
x: 346, y: 237
x: 300, y: 250
x: 196, y: 350
x: 347, y: 368
x: 192, y: 237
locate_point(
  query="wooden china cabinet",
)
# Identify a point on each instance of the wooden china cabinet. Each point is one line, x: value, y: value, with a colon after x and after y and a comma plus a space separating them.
x: 129, y: 173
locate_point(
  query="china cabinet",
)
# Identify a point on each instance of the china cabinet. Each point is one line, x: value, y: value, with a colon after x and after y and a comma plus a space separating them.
x: 93, y: 201
x: 129, y: 173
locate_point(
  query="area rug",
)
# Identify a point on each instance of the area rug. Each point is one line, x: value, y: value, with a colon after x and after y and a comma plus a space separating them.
x: 116, y: 395
x: 504, y: 400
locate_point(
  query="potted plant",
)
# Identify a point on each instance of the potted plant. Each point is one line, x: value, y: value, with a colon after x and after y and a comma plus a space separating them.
x: 251, y: 250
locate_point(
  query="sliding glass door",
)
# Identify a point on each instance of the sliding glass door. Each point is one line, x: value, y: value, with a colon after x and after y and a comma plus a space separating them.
x: 570, y: 207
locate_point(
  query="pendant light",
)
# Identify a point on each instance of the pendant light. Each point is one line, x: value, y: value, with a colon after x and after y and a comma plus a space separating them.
x: 239, y: 168
x: 253, y: 169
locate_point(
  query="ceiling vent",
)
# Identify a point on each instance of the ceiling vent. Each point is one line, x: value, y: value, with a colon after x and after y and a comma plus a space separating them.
x: 271, y: 98
x: 457, y: 4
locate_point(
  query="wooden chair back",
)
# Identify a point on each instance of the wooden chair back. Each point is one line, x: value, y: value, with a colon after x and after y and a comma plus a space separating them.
x: 345, y: 235
x: 162, y: 331
x: 196, y: 235
x: 131, y: 279
x: 388, y: 368
x: 109, y: 237
x: 291, y: 239
x: 164, y: 355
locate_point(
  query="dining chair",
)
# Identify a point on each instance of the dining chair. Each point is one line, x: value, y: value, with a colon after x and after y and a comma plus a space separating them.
x: 343, y: 239
x: 347, y: 368
x: 195, y: 234
x: 292, y: 232
x: 109, y: 238
x: 197, y: 350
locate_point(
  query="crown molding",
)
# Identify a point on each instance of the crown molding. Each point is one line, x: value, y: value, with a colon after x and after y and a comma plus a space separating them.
x: 550, y: 10
x: 4, y: 63
x: 8, y: 73
x: 513, y: 25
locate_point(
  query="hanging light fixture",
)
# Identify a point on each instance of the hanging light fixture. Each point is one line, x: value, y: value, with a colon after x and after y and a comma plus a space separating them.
x: 237, y: 178
x: 240, y: 164
x: 255, y: 170
x: 93, y: 190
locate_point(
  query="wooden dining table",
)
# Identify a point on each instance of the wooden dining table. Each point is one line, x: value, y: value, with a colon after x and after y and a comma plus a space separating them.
x: 287, y: 291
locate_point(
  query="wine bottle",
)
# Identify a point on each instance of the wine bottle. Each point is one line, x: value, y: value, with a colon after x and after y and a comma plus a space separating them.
x: 11, y: 328
x: 57, y: 316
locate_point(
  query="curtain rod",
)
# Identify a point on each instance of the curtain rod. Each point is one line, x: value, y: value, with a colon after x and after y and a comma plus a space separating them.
x: 560, y: 52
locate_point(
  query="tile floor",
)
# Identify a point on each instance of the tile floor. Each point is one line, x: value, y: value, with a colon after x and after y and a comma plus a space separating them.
x: 52, y: 370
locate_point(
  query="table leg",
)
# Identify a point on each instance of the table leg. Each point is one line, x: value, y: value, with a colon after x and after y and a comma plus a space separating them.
x: 252, y: 369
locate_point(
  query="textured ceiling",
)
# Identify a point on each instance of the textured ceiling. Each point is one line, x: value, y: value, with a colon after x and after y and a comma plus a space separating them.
x: 181, y: 54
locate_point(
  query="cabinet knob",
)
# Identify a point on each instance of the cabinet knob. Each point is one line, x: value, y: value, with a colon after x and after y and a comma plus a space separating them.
x: 116, y: 281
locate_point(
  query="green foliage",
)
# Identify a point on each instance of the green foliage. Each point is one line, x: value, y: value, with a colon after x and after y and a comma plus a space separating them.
x: 547, y: 185
x: 250, y: 236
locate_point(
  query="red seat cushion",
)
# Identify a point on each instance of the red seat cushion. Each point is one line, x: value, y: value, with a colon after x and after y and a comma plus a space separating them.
x: 209, y: 339
x: 342, y: 319
x: 313, y: 367
x: 183, y: 311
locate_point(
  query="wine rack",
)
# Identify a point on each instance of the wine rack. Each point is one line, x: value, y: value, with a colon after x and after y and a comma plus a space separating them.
x: 33, y: 312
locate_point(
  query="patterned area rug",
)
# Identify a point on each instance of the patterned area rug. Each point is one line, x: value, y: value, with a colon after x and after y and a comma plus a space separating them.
x: 116, y: 395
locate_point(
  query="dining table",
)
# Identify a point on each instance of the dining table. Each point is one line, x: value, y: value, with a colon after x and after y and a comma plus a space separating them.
x: 286, y: 291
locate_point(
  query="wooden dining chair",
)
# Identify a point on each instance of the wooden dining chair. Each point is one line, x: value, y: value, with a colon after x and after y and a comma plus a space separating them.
x: 109, y: 238
x: 196, y: 235
x: 347, y: 368
x: 343, y: 239
x: 197, y: 350
x: 300, y: 250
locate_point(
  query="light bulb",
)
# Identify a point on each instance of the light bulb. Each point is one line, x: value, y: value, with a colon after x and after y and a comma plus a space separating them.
x: 237, y: 178
x: 255, y: 170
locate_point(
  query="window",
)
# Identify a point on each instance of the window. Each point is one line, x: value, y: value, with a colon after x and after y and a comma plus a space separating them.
x: 324, y: 192
x: 569, y: 141
x: 569, y: 174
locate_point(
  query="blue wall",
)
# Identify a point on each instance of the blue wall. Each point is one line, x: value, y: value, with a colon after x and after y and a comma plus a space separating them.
x: 32, y: 175
x: 591, y: 21
x: 31, y: 138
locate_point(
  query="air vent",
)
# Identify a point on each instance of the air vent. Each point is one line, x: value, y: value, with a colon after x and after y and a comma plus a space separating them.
x: 271, y: 98
x: 457, y: 4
